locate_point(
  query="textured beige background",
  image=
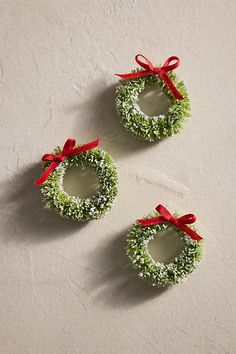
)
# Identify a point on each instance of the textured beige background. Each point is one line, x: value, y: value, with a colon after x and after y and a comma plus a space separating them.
x: 68, y: 288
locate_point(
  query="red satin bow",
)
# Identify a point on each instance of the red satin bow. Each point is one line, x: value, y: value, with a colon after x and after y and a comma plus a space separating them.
x: 166, y: 216
x: 150, y: 69
x: 68, y: 150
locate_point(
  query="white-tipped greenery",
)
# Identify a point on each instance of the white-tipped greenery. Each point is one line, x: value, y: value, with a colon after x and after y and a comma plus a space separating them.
x: 74, y: 207
x: 156, y: 273
x: 156, y: 127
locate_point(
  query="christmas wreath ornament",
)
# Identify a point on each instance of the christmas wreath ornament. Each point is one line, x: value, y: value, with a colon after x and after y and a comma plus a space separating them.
x: 127, y: 94
x: 87, y: 155
x: 156, y: 273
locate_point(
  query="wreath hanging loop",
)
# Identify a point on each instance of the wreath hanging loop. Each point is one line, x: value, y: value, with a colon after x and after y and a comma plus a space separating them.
x: 152, y: 128
x: 144, y: 230
x: 87, y: 155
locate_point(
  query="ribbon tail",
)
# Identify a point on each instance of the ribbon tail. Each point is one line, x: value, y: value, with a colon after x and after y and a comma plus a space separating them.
x: 190, y: 232
x: 134, y: 75
x: 46, y: 173
x: 171, y: 86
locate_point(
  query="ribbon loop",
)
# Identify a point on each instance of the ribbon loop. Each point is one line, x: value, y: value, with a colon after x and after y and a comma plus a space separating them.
x: 181, y: 222
x: 48, y: 157
x: 164, y: 212
x: 68, y: 147
x: 187, y: 219
x: 148, y: 65
x: 169, y: 67
x: 150, y: 69
x: 68, y: 150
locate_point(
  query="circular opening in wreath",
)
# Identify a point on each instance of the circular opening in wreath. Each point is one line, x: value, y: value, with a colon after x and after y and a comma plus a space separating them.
x: 153, y: 102
x: 165, y: 246
x: 81, y: 182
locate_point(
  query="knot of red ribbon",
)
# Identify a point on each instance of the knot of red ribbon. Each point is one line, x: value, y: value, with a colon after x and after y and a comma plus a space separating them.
x: 181, y: 222
x: 149, y: 69
x: 68, y: 150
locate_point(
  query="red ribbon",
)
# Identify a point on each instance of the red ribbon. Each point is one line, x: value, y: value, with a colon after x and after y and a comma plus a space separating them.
x: 68, y: 150
x: 150, y: 69
x: 166, y: 216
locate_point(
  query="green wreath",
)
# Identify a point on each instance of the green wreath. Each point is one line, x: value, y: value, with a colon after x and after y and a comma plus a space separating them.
x: 137, y: 122
x: 156, y: 273
x: 74, y: 207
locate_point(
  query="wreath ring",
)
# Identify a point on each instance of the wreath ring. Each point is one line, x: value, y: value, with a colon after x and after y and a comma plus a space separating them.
x: 152, y: 128
x: 156, y: 273
x: 87, y: 155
